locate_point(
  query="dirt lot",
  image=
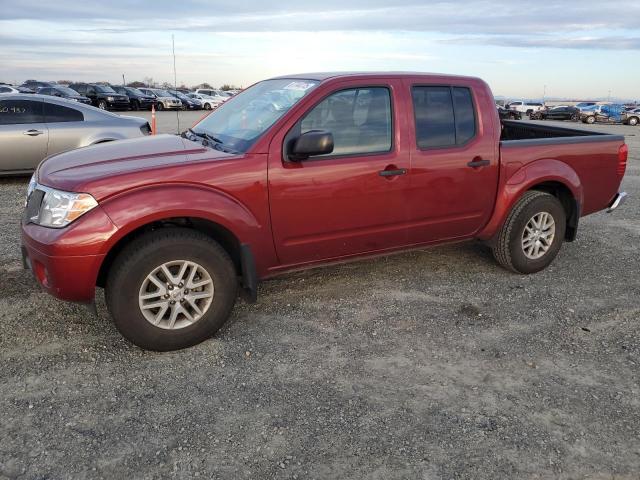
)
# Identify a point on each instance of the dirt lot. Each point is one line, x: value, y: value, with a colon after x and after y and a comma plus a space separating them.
x: 434, y: 364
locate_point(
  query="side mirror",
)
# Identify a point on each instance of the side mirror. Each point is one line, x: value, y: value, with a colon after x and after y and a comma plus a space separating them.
x: 313, y: 142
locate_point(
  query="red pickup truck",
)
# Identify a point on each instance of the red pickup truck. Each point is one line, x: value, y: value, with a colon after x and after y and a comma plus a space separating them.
x: 299, y: 171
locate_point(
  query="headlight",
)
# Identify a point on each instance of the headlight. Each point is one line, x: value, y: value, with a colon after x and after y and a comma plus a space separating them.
x: 58, y: 209
x: 110, y: 99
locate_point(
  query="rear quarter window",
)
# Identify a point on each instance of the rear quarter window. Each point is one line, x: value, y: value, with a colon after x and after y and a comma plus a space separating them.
x: 54, y: 113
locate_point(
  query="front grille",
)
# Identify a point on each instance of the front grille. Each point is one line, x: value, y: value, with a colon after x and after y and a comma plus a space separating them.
x: 33, y: 205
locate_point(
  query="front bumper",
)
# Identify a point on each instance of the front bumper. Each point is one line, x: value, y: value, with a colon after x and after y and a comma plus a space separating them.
x: 66, y: 261
x: 618, y: 200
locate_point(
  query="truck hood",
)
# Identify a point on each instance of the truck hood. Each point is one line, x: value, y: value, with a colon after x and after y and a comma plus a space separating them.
x: 108, y: 168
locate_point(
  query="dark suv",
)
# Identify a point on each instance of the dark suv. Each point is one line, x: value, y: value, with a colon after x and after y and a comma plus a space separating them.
x: 137, y: 99
x: 64, y: 92
x: 102, y: 96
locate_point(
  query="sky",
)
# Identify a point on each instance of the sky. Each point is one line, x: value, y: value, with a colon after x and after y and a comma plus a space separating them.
x: 565, y: 49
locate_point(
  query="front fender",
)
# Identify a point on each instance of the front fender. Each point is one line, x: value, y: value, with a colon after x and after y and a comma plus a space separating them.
x: 524, y: 179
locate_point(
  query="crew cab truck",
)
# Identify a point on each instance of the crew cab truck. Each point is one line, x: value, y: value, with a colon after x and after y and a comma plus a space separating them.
x: 301, y: 171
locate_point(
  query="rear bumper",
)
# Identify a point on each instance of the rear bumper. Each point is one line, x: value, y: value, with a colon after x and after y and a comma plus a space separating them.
x: 618, y: 200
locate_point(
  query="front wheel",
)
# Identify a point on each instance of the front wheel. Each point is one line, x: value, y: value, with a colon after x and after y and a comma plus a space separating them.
x: 160, y: 106
x: 170, y: 289
x: 207, y: 106
x: 533, y: 233
x: 633, y: 121
x: 102, y: 105
x: 590, y: 120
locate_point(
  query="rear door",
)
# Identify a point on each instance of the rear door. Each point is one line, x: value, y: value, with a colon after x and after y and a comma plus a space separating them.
x: 351, y: 201
x: 454, y: 161
x: 23, y: 134
x: 66, y: 126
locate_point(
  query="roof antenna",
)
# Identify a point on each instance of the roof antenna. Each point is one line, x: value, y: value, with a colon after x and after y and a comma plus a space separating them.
x: 175, y: 77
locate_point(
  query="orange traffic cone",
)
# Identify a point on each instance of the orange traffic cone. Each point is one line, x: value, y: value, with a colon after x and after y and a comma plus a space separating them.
x: 153, y: 119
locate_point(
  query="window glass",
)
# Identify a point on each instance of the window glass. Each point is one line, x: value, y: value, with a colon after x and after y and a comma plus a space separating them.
x: 444, y: 116
x: 80, y: 88
x: 57, y: 113
x: 20, y: 112
x: 464, y: 115
x: 435, y: 125
x: 359, y: 119
x: 4, y: 89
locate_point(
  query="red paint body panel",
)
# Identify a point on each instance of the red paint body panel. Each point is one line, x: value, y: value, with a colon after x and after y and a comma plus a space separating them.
x: 296, y: 214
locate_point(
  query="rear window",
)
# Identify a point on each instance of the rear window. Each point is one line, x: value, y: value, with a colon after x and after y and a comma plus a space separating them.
x: 20, y: 112
x: 57, y: 113
x: 444, y: 116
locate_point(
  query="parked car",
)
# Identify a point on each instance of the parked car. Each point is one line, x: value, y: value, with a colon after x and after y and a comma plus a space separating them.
x: 207, y: 102
x: 165, y: 101
x: 102, y: 96
x: 34, y: 85
x: 137, y: 99
x: 214, y: 93
x: 585, y: 105
x: 64, y: 92
x: 505, y: 114
x: 301, y: 171
x: 8, y: 90
x: 556, y: 113
x: 608, y: 113
x: 35, y: 126
x: 631, y: 117
x: 525, y: 107
x: 187, y: 102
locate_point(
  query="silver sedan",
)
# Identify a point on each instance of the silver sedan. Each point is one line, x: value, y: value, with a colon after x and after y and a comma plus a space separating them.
x: 33, y: 127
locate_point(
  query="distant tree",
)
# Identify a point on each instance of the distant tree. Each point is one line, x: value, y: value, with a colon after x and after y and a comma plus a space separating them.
x: 148, y: 82
x: 136, y: 84
x: 64, y: 82
x: 204, y: 85
x: 167, y: 85
x: 227, y: 87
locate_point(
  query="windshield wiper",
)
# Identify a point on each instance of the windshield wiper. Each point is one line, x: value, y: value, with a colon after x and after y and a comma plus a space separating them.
x: 206, y: 136
x: 210, y: 139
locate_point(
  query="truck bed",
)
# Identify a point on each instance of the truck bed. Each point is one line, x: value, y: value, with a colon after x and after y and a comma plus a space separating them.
x: 519, y: 131
x: 593, y: 156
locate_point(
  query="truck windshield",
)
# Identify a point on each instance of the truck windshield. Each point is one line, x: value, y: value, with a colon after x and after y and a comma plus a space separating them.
x: 242, y: 119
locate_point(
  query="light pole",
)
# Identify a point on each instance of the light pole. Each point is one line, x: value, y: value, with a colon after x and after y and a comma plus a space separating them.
x: 544, y: 94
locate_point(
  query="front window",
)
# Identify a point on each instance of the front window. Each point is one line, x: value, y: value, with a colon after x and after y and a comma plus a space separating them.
x: 239, y: 122
x: 104, y: 89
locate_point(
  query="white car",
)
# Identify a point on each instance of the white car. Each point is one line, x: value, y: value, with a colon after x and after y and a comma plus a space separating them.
x: 166, y: 101
x: 219, y: 94
x: 8, y: 90
x: 525, y: 107
x: 208, y: 102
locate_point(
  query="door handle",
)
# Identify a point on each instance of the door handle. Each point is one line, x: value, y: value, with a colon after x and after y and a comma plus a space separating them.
x: 391, y: 173
x: 477, y: 163
x: 33, y: 133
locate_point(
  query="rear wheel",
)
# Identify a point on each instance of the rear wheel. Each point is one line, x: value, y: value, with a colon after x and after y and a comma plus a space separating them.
x: 170, y: 289
x: 590, y: 119
x: 533, y: 233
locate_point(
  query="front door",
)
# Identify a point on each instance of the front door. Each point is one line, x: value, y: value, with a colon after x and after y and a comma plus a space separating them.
x: 351, y: 201
x: 23, y: 134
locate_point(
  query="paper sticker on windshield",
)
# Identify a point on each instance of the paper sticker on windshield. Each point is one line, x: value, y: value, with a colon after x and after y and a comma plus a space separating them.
x: 299, y: 86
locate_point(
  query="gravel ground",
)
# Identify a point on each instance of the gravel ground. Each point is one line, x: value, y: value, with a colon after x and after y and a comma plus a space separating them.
x: 434, y: 364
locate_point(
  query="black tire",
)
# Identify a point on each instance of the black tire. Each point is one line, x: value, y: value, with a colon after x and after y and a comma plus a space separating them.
x: 508, y: 249
x: 207, y: 106
x: 633, y: 121
x: 102, y: 105
x: 590, y: 120
x: 135, y: 105
x: 150, y: 251
x: 160, y: 106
